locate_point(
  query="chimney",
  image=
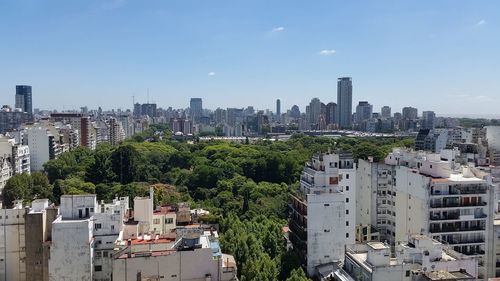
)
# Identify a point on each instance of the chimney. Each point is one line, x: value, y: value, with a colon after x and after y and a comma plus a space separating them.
x: 129, y: 245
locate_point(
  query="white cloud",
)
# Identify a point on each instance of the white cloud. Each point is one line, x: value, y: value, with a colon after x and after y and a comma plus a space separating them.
x: 278, y: 29
x: 327, y: 52
x: 481, y: 22
x: 211, y: 73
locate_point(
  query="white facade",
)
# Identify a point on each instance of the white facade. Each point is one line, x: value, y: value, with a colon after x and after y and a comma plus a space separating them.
x: 39, y: 146
x: 84, y: 237
x: 12, y: 243
x: 72, y: 239
x: 420, y: 256
x: 5, y: 172
x: 17, y: 154
x: 178, y: 262
x: 324, y: 211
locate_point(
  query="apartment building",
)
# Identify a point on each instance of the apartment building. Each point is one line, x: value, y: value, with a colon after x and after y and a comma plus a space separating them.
x: 83, y: 238
x: 323, y: 210
x: 192, y: 254
x: 12, y: 243
x: 420, y: 258
x: 17, y: 154
x: 418, y: 192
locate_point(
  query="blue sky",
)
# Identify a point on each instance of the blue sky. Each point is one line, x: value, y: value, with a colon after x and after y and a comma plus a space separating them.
x: 435, y: 55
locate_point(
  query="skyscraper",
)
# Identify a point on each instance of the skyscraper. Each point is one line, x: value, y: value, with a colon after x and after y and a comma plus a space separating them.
x: 314, y: 112
x: 364, y: 111
x: 331, y: 113
x: 428, y: 120
x: 23, y: 99
x: 278, y: 107
x: 196, y: 108
x: 344, y: 102
x: 386, y: 111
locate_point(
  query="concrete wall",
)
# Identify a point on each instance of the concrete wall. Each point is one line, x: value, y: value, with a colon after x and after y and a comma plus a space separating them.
x: 71, y: 251
x: 186, y: 265
x: 12, y: 245
x: 326, y: 229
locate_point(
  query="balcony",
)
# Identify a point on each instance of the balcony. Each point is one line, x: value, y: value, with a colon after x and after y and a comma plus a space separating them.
x: 465, y: 241
x: 455, y: 229
x: 456, y: 205
x: 440, y: 217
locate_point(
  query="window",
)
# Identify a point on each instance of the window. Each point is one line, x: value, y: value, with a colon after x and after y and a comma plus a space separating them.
x: 347, y: 223
x: 407, y: 273
x: 80, y: 213
x: 105, y: 254
x: 87, y: 213
x: 156, y: 221
x: 347, y: 212
x: 98, y: 268
x: 169, y: 220
x: 112, y: 227
x: 326, y: 230
x: 347, y: 200
x: 97, y: 254
x: 97, y: 226
x: 347, y: 188
x: 347, y: 176
x: 347, y: 235
x: 91, y: 210
x: 326, y: 205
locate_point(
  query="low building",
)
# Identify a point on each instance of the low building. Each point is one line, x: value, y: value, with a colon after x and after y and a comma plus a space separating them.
x: 194, y: 255
x: 421, y: 258
x: 12, y: 243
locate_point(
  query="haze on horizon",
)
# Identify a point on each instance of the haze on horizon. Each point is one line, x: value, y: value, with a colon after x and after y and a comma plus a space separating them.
x: 433, y: 55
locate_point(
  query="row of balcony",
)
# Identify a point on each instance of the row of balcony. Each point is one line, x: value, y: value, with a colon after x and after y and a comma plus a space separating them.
x: 455, y: 216
x: 455, y: 229
x: 456, y: 204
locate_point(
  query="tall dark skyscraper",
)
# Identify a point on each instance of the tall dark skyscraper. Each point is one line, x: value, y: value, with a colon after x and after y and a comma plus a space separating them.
x: 24, y: 100
x: 196, y: 108
x: 278, y: 107
x: 344, y: 102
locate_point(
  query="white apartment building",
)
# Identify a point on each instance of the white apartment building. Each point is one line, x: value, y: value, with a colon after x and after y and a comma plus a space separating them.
x: 419, y: 259
x: 72, y: 239
x: 17, y: 154
x: 42, y: 145
x: 12, y: 243
x: 84, y: 236
x: 108, y: 225
x: 193, y: 255
x: 323, y: 210
x: 416, y: 192
x: 5, y: 172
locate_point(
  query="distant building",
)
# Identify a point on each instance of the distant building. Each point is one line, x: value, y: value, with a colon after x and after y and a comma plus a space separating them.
x: 331, y: 113
x: 385, y: 112
x: 278, y: 107
x: 410, y: 113
x: 364, y: 111
x: 24, y: 100
x: 196, y: 109
x: 11, y: 119
x: 344, y: 102
x: 428, y: 120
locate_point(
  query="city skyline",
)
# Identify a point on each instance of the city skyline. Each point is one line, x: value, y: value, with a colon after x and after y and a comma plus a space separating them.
x: 252, y: 53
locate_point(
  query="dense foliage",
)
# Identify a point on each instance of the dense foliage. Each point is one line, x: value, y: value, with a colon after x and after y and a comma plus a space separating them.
x: 244, y: 186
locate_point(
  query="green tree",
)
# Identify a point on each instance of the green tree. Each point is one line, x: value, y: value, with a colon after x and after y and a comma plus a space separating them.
x: 41, y: 187
x: 18, y: 187
x: 298, y: 275
x: 125, y: 162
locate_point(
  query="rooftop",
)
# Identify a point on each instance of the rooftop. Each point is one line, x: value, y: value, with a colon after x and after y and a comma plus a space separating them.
x: 445, y: 275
